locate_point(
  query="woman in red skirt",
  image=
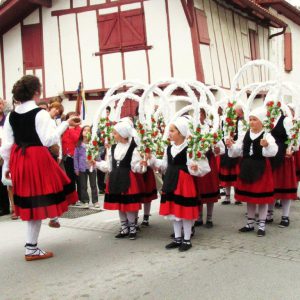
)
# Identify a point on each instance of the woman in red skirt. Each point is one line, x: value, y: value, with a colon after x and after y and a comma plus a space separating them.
x: 41, y: 189
x: 124, y: 187
x: 284, y: 171
x: 255, y: 181
x: 179, y: 200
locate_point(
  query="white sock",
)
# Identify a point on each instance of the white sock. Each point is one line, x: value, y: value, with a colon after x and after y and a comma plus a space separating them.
x: 270, y: 211
x: 131, y: 217
x: 251, y: 208
x: 187, y: 229
x: 286, y: 205
x: 33, y: 231
x: 124, y: 222
x: 262, y: 211
x: 147, y: 208
x: 177, y: 228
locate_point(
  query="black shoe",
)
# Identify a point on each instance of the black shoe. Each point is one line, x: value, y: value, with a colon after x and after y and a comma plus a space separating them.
x: 145, y: 223
x: 278, y: 205
x: 185, y: 246
x: 209, y: 224
x: 269, y: 220
x: 198, y: 223
x: 137, y: 228
x: 238, y: 203
x: 175, y: 244
x: 246, y: 229
x: 285, y: 222
x: 132, y: 235
x: 225, y: 202
x: 121, y: 235
x: 261, y: 233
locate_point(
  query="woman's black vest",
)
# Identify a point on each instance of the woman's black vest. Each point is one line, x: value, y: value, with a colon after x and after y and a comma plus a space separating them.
x: 252, y: 166
x: 280, y: 136
x: 119, y: 180
x: 23, y: 126
x: 175, y: 164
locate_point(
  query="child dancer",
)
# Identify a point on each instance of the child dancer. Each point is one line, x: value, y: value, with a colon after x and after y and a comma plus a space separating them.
x: 229, y: 167
x: 41, y: 189
x: 179, y: 195
x: 208, y: 185
x: 124, y: 188
x: 81, y: 168
x: 284, y: 173
x: 255, y: 181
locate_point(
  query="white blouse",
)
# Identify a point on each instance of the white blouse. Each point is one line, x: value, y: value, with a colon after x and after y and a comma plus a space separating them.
x: 47, y: 132
x: 162, y: 164
x: 270, y: 151
x: 119, y: 153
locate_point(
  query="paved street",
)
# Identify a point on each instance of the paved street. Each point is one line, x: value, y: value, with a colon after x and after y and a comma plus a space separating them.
x: 90, y: 264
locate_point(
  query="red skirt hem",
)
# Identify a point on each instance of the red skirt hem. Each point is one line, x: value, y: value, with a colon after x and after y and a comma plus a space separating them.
x: 170, y: 208
x: 122, y: 207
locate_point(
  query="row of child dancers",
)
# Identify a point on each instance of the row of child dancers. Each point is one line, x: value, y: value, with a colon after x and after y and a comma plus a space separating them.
x: 41, y: 190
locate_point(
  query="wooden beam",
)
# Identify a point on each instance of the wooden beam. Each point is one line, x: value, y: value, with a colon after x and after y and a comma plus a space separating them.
x: 46, y: 3
x: 188, y: 10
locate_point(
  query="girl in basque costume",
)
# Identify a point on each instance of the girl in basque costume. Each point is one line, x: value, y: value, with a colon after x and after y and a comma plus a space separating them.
x: 284, y: 170
x: 124, y: 189
x: 208, y: 185
x: 255, y: 181
x: 41, y: 189
x: 179, y: 200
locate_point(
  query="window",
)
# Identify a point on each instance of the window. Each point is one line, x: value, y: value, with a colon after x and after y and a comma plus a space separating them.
x: 288, y: 56
x: 202, y: 27
x: 122, y: 31
x: 254, y: 44
x: 32, y: 46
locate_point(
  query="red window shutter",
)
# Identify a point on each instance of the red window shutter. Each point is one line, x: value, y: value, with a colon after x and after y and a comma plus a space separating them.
x: 288, y: 54
x: 32, y: 46
x: 202, y: 26
x: 254, y: 44
x: 132, y: 28
x: 109, y: 32
x: 129, y: 108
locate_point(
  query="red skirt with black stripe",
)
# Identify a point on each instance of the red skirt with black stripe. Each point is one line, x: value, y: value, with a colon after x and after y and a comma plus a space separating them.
x: 150, y: 190
x: 228, y: 176
x: 259, y: 192
x: 208, y: 185
x: 285, y: 180
x: 129, y: 201
x: 41, y: 189
x: 183, y: 202
x: 297, y: 164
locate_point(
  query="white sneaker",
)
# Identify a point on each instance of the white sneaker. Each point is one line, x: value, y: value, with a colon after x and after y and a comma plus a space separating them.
x: 86, y: 205
x: 97, y: 205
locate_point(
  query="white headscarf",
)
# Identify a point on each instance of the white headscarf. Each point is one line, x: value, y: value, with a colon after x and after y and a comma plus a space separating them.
x: 260, y: 113
x: 124, y: 128
x: 182, y: 124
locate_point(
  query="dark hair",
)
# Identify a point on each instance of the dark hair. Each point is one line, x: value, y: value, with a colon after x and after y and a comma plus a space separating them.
x: 81, y: 136
x: 108, y: 108
x: 42, y: 103
x: 25, y: 88
x: 70, y: 114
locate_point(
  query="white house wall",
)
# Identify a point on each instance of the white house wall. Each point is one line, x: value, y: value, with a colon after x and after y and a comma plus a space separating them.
x: 70, y: 52
x: 89, y: 44
x: 159, y: 55
x: 277, y: 50
x: 13, y: 58
x: 182, y: 49
x: 52, y: 63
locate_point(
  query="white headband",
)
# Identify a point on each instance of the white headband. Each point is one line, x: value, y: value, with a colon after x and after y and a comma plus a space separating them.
x: 259, y: 112
x: 182, y: 124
